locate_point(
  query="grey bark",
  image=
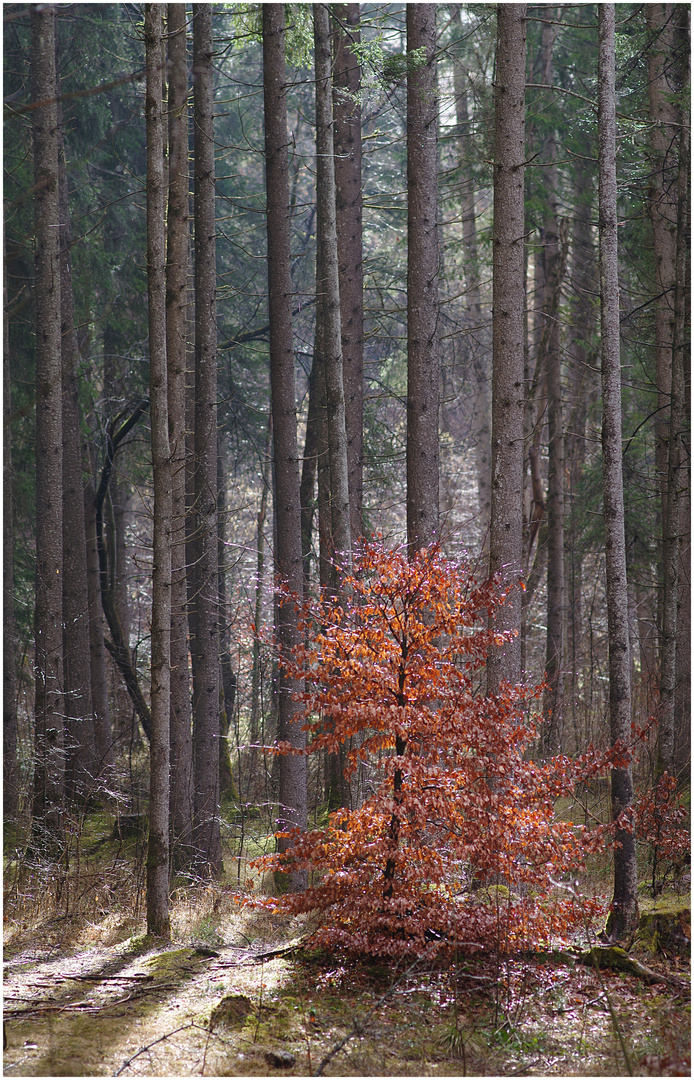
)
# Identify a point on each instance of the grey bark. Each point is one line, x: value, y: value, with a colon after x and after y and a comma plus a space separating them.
x: 288, y: 556
x: 348, y: 201
x: 309, y: 469
x: 227, y: 676
x: 683, y: 674
x: 325, y: 548
x: 506, y: 526
x: 583, y: 387
x: 49, y: 763
x: 553, y: 257
x: 624, y: 905
x: 423, y: 349
x: 256, y: 702
x: 158, y: 922
x: 482, y: 404
x: 81, y: 753
x: 205, y: 644
x: 677, y: 477
x: 177, y: 270
x: 662, y: 207
x: 329, y: 286
x: 10, y: 785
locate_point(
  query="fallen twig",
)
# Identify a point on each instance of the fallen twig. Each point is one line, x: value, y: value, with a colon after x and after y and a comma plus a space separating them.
x: 80, y: 1006
x: 144, y: 1049
x: 257, y: 958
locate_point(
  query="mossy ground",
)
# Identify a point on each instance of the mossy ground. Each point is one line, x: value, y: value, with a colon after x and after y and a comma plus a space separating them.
x: 87, y: 991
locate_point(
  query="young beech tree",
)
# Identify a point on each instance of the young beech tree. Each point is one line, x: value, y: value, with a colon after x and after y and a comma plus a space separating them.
x: 453, y: 805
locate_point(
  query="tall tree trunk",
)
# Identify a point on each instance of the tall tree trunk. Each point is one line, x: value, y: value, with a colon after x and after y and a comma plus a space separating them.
x: 206, y: 641
x: 624, y: 904
x: 10, y: 776
x: 325, y: 548
x: 309, y: 469
x: 683, y: 312
x: 583, y: 386
x: 553, y: 257
x: 80, y: 748
x: 506, y: 526
x: 49, y: 763
x: 423, y: 353
x: 177, y: 270
x: 348, y: 196
x: 227, y: 676
x: 677, y: 478
x: 293, y: 773
x: 329, y: 286
x: 256, y: 690
x: 481, y: 415
x: 332, y: 289
x: 664, y: 124
x: 160, y: 693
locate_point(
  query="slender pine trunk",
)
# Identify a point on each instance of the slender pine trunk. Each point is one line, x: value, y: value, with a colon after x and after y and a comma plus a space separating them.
x: 624, y: 905
x: 160, y: 689
x: 49, y: 742
x: 207, y: 836
x: 288, y: 555
x: 506, y: 526
x: 423, y: 351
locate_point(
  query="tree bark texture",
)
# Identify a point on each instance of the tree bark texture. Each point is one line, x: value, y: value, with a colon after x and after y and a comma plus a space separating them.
x: 309, y: 469
x: 82, y: 767
x: 683, y: 331
x: 288, y: 555
x: 10, y: 774
x: 582, y: 388
x: 482, y: 405
x: 553, y: 257
x: 506, y: 526
x: 423, y: 350
x: 624, y: 909
x: 675, y: 526
x: 177, y: 270
x: 256, y: 690
x: 227, y: 676
x: 49, y: 764
x: 206, y: 640
x: 329, y: 286
x: 160, y: 690
x: 348, y: 196
x: 664, y: 125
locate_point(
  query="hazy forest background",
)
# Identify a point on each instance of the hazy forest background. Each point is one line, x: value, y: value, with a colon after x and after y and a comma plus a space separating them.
x: 282, y: 279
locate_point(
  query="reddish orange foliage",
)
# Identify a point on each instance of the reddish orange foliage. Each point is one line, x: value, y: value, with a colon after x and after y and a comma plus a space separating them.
x: 396, y: 676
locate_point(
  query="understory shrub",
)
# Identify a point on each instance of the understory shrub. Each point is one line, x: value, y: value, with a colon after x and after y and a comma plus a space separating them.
x: 458, y: 841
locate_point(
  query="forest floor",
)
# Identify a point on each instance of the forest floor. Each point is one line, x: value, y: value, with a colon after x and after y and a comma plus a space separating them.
x: 234, y: 994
